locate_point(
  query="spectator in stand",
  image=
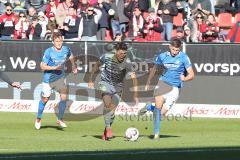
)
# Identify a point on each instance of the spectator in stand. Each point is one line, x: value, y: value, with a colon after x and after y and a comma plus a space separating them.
x: 31, y: 13
x: 204, y: 6
x: 35, y: 30
x: 187, y: 34
x: 71, y: 25
x: 19, y: 6
x: 210, y: 29
x: 143, y: 5
x: 118, y: 19
x: 196, y: 33
x: 89, y: 25
x: 8, y: 20
x: 153, y: 26
x: 51, y: 7
x: 63, y: 11
x: 179, y: 34
x: 136, y: 24
x: 51, y: 26
x: 39, y: 5
x: 21, y: 27
x: 2, y: 7
x: 43, y: 21
x: 104, y: 6
x: 167, y: 9
x: 82, y: 7
x: 234, y: 33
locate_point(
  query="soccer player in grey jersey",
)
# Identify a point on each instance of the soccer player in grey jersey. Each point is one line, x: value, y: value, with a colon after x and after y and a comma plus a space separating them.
x: 5, y: 78
x: 115, y: 68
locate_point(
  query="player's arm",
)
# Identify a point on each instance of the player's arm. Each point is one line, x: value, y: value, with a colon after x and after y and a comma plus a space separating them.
x: 135, y: 87
x: 151, y: 75
x: 46, y: 67
x: 94, y: 70
x: 73, y: 62
x: 190, y: 75
x: 5, y: 78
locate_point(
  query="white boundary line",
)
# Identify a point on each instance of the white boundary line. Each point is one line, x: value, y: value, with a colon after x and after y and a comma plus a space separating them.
x: 103, y: 153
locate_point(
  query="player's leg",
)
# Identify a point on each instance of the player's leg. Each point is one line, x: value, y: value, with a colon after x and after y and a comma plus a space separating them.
x: 110, y: 104
x: 159, y: 100
x: 46, y: 92
x: 62, y: 104
x: 163, y: 105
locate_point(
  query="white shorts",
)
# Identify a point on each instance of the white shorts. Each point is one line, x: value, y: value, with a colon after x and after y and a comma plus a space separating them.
x: 171, y: 97
x: 57, y: 85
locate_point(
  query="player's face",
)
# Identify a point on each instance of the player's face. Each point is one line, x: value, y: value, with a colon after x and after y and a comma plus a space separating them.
x: 121, y: 55
x: 174, y: 51
x: 58, y: 43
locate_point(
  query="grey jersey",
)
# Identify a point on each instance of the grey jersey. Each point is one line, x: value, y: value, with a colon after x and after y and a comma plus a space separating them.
x: 113, y: 70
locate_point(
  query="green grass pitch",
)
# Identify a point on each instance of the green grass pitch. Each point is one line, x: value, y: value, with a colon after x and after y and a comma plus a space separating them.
x: 194, y: 138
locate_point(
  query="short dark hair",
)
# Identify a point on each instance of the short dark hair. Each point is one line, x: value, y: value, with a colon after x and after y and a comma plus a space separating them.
x: 121, y: 46
x: 176, y: 43
x: 56, y: 35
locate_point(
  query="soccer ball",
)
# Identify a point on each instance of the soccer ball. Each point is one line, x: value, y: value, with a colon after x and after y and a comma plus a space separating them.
x: 132, y: 134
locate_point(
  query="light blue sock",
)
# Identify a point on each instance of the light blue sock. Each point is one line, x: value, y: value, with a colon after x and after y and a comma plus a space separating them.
x: 41, y: 106
x: 157, y: 120
x: 150, y: 107
x: 61, y: 109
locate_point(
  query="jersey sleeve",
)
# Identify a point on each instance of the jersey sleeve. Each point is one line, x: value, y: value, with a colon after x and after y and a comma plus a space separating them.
x: 102, y: 59
x: 187, y: 62
x: 158, y: 60
x: 69, y: 53
x: 46, y: 56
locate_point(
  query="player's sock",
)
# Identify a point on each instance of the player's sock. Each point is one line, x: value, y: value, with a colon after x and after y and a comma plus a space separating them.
x: 61, y: 109
x: 41, y: 106
x: 150, y: 106
x: 157, y: 120
x: 108, y: 117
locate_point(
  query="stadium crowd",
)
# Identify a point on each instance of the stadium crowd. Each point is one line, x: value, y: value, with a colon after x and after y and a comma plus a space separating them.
x: 134, y: 20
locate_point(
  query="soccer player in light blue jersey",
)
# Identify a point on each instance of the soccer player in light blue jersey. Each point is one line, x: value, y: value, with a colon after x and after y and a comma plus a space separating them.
x: 178, y: 69
x: 52, y: 64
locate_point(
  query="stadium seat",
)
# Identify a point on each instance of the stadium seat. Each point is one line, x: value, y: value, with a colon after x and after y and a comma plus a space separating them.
x: 108, y: 35
x: 237, y: 18
x: 225, y: 20
x: 178, y: 20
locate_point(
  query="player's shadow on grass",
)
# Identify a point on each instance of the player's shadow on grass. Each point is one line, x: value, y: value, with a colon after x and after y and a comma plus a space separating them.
x: 52, y: 127
x: 164, y: 136
x: 148, y: 136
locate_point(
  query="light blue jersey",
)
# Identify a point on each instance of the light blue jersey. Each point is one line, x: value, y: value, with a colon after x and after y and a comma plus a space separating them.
x: 174, y: 67
x: 54, y: 58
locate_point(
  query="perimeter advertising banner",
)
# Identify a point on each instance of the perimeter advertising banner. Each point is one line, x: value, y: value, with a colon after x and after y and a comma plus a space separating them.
x: 216, y: 84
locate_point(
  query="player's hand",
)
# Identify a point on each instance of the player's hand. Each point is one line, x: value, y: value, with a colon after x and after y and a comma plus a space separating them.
x: 91, y: 85
x: 182, y: 77
x: 16, y: 85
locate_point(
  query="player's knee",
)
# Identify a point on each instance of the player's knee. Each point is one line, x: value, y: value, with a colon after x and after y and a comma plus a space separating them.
x: 45, y: 99
x: 63, y: 97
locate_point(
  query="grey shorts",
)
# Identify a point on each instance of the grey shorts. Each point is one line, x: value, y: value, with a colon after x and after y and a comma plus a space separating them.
x: 162, y: 88
x: 106, y: 88
x: 58, y: 85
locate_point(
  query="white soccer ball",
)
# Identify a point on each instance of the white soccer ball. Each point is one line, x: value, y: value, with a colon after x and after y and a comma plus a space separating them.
x: 132, y: 134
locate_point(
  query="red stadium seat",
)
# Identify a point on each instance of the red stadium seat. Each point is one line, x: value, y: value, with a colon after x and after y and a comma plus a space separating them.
x: 178, y: 20
x: 225, y: 20
x: 108, y: 35
x: 237, y: 18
